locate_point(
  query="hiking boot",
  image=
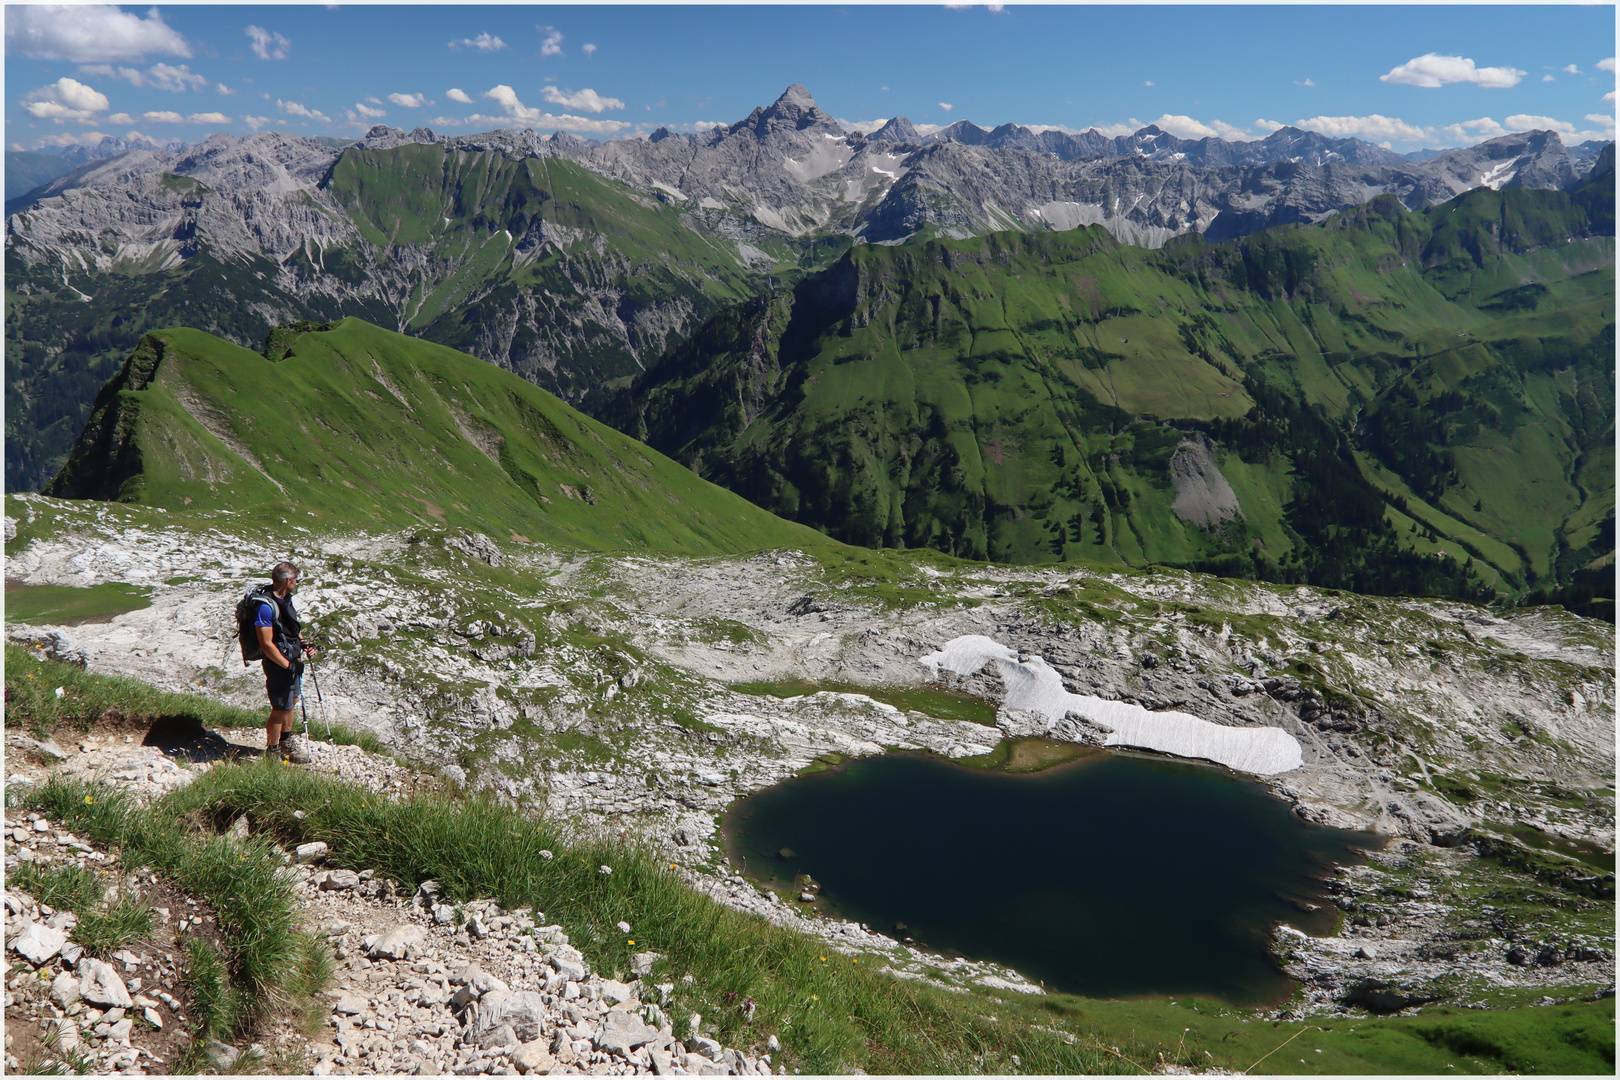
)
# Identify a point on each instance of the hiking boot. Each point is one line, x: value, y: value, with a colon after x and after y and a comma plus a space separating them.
x: 295, y: 749
x: 273, y: 753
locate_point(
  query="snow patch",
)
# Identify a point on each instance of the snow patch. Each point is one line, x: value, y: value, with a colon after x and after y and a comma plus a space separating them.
x: 1032, y: 686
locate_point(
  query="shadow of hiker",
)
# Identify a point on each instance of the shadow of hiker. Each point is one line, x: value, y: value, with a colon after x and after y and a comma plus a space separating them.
x: 186, y: 738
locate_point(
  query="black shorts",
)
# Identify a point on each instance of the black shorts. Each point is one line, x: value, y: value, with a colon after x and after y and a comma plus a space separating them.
x: 285, y: 685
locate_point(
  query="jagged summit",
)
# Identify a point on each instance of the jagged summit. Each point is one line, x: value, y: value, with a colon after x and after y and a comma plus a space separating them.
x: 898, y: 130
x: 795, y: 110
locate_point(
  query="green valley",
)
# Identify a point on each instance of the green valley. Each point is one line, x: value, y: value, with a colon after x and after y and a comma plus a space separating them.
x: 1386, y: 402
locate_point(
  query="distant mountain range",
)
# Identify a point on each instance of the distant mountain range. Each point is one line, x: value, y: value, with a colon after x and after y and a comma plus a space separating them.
x: 575, y: 263
x: 1352, y: 404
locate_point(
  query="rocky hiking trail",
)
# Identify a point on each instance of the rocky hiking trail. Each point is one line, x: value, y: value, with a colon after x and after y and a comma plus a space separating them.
x: 420, y: 987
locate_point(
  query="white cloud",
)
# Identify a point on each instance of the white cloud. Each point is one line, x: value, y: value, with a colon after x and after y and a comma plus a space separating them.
x: 157, y: 77
x: 1606, y: 65
x: 1184, y: 127
x: 483, y: 43
x: 1269, y: 125
x: 89, y: 138
x: 1114, y: 131
x: 1472, y: 131
x: 120, y: 118
x: 368, y: 112
x: 1601, y: 119
x: 1230, y: 132
x: 413, y: 101
x: 1523, y: 122
x: 256, y: 122
x: 507, y: 98
x: 459, y: 95
x: 1305, y: 82
x: 1150, y: 82
x: 947, y: 106
x: 267, y: 45
x: 586, y: 100
x: 1609, y: 97
x: 225, y: 90
x: 65, y: 99
x: 1548, y: 78
x: 1431, y: 70
x: 89, y: 34
x: 552, y: 46
x: 167, y: 116
x: 1371, y: 127
x: 293, y: 108
x: 208, y: 118
x: 1572, y: 69
x: 588, y: 49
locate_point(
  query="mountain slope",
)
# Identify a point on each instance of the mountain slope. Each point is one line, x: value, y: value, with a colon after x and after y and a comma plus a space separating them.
x: 355, y: 424
x: 1335, y: 403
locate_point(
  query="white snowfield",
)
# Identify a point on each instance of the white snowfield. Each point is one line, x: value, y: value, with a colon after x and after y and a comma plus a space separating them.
x: 1032, y: 686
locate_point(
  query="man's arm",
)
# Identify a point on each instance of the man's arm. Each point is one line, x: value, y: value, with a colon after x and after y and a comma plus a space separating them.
x: 267, y: 646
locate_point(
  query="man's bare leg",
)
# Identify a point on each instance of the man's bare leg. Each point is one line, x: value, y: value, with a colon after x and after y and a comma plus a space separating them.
x: 280, y: 723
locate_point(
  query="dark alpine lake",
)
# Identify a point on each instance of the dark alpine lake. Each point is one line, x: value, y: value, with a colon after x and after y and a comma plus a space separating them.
x: 1112, y: 876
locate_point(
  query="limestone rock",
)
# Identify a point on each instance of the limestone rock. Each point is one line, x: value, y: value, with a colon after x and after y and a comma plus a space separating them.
x: 621, y: 1032
x: 99, y: 984
x: 398, y: 943
x: 38, y: 943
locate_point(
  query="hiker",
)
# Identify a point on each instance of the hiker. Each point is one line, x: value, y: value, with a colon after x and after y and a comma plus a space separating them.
x: 283, y: 647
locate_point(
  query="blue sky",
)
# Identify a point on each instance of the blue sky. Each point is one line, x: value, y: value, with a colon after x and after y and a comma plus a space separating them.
x: 1408, y: 77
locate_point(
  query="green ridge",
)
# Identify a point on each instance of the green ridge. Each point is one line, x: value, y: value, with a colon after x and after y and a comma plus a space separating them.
x: 353, y: 424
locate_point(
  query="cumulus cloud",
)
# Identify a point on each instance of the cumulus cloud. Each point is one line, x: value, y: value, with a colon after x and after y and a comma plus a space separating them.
x: 1431, y: 70
x: 166, y: 116
x: 586, y: 100
x: 293, y: 108
x: 1609, y: 97
x: 1548, y: 78
x: 1470, y: 131
x: 368, y: 112
x: 459, y: 95
x: 507, y: 98
x: 208, y: 118
x: 266, y: 44
x: 1269, y: 125
x: 415, y: 101
x: 588, y: 49
x: 1114, y: 131
x: 225, y: 90
x: 89, y: 34
x: 1524, y: 122
x: 947, y: 106
x: 1149, y: 82
x: 1572, y: 69
x: 1606, y: 65
x: 1372, y: 127
x: 483, y: 43
x: 120, y: 118
x: 552, y: 46
x: 65, y: 99
x: 157, y: 77
x: 88, y: 138
x: 256, y: 122
x: 1305, y: 82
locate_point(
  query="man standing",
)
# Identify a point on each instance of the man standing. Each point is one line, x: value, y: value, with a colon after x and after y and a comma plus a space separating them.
x: 283, y: 646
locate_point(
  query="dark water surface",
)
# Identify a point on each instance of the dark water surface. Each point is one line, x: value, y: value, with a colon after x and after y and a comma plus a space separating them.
x: 1115, y: 876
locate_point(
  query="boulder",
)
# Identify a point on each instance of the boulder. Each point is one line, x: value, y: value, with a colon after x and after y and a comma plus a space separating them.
x: 533, y: 1057
x: 615, y: 992
x: 312, y: 852
x: 621, y: 1032
x: 38, y: 943
x: 1378, y: 996
x: 351, y: 1005
x: 339, y: 880
x: 99, y: 984
x: 523, y: 1011
x: 642, y: 962
x: 65, y: 990
x: 398, y: 943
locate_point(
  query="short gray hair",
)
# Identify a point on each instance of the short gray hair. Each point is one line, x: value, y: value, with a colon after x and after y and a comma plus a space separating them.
x: 282, y: 571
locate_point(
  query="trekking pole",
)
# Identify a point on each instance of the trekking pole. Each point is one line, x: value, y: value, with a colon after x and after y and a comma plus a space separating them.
x: 316, y: 679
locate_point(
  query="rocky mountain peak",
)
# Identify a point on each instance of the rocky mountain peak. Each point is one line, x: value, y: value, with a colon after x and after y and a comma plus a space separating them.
x: 899, y: 130
x: 795, y: 110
